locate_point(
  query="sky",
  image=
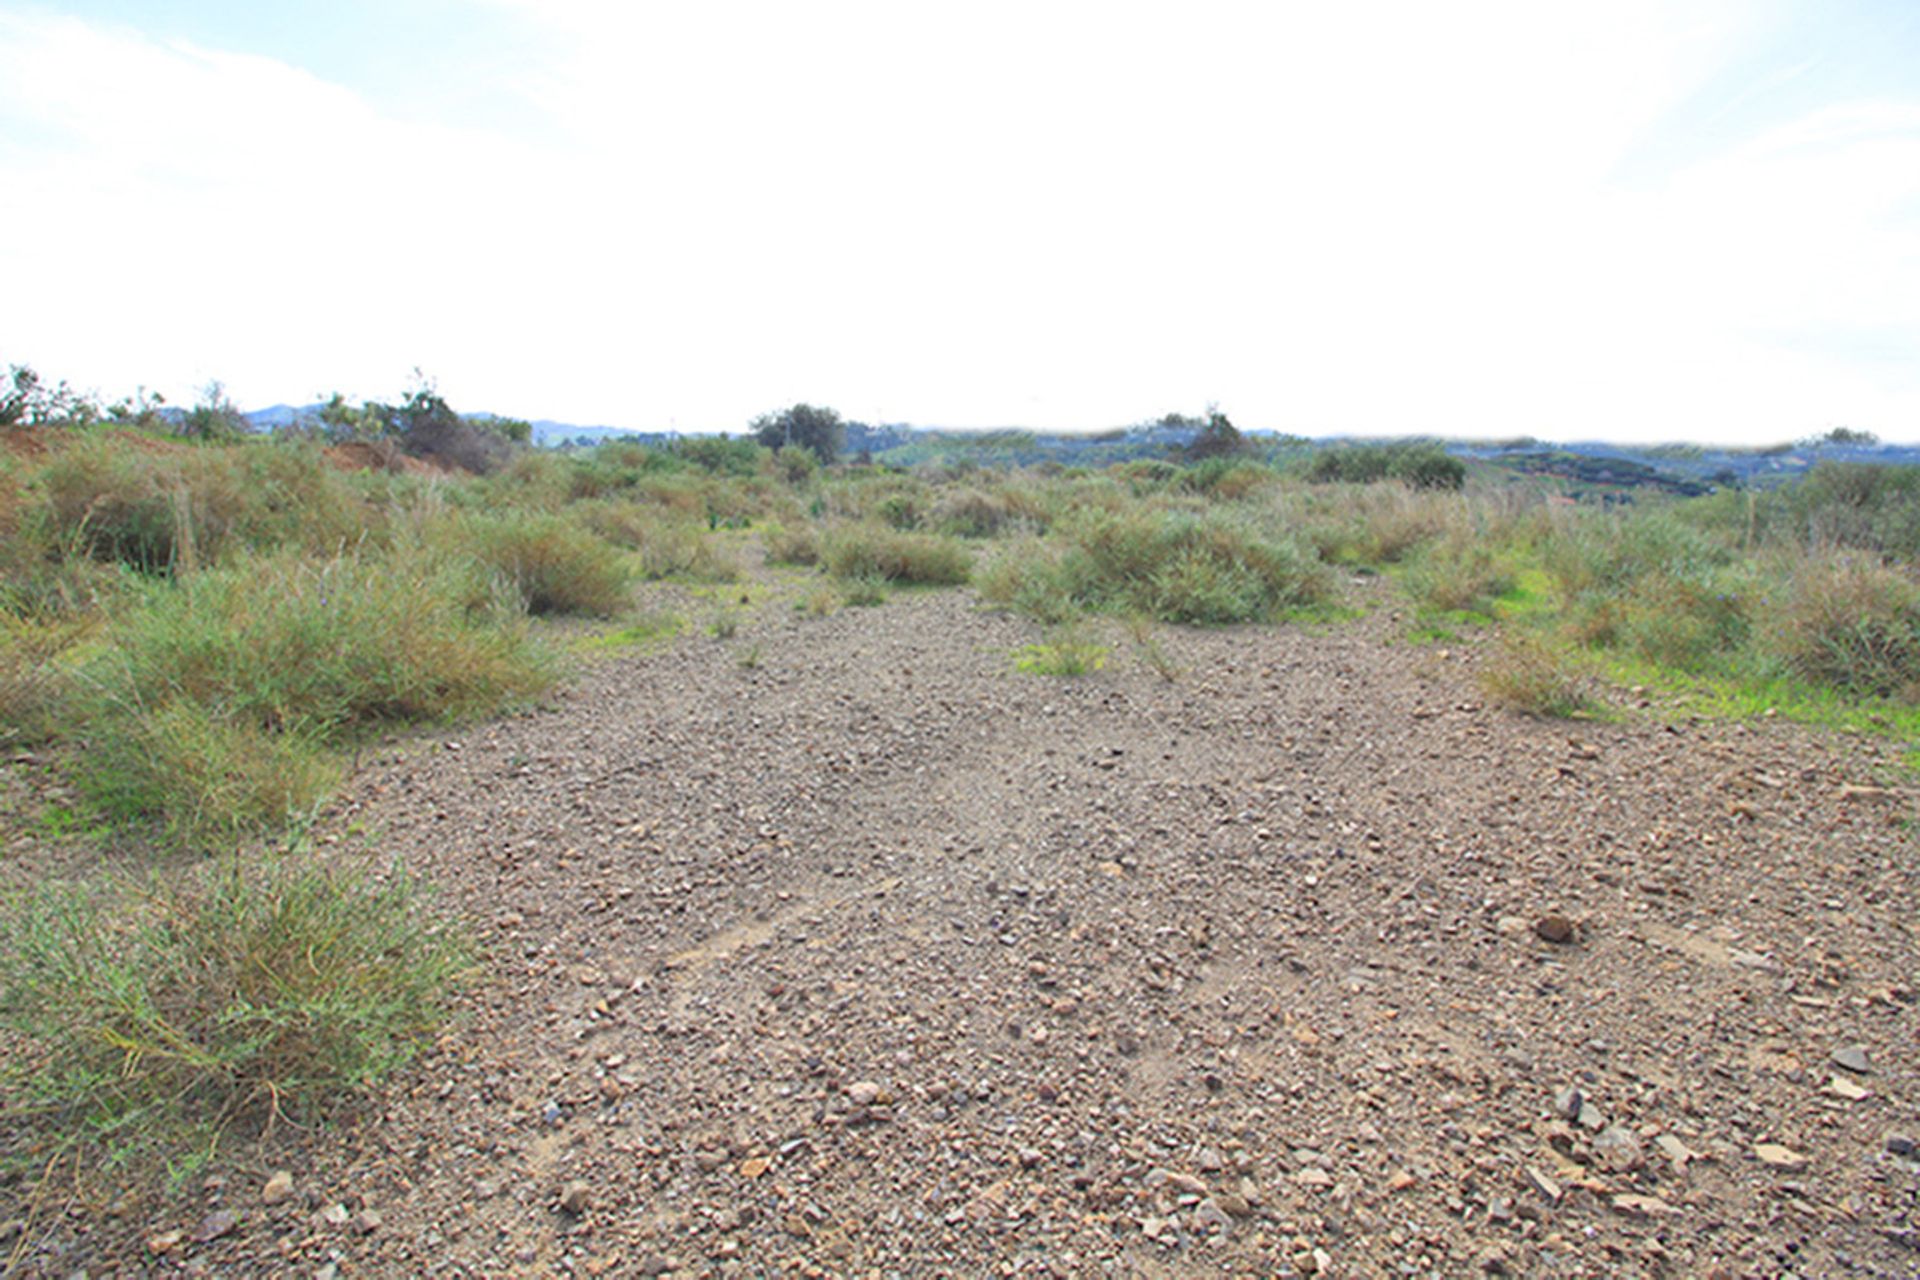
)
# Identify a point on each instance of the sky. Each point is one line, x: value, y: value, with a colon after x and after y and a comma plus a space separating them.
x: 1694, y: 220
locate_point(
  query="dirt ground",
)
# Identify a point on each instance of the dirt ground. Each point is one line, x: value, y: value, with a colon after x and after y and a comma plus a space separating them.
x: 839, y: 947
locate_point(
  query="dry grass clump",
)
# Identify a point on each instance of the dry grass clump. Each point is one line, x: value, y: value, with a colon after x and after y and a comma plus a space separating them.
x: 1530, y: 677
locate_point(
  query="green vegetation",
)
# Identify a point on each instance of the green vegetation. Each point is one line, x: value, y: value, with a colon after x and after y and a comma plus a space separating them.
x: 153, y: 1016
x: 1065, y: 652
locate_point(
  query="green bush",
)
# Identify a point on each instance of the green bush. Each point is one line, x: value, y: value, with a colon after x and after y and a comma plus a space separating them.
x: 325, y: 649
x: 1187, y: 568
x: 667, y: 546
x: 1851, y: 624
x: 854, y: 551
x: 239, y: 993
x: 178, y: 510
x: 551, y: 562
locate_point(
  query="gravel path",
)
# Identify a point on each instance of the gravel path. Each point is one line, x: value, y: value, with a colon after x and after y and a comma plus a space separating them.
x: 840, y: 948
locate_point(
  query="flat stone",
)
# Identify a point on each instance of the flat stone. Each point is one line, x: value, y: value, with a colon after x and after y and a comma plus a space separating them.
x: 279, y: 1188
x: 1776, y: 1156
x: 1853, y: 1058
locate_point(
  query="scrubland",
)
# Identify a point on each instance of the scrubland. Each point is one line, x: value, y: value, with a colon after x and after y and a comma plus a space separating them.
x: 200, y: 643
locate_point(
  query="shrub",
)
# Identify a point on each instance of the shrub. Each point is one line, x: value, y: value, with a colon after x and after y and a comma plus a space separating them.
x: 551, y: 562
x: 1184, y: 568
x: 970, y: 513
x: 667, y: 547
x: 875, y: 551
x: 796, y: 545
x: 174, y: 511
x: 1851, y: 624
x: 240, y: 993
x: 1459, y: 574
x: 325, y: 649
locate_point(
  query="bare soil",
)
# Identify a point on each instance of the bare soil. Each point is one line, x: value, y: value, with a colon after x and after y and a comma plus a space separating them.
x: 838, y: 947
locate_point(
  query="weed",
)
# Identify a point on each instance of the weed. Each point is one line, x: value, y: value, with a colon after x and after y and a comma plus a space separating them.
x: 236, y: 994
x: 1064, y: 653
x: 864, y: 592
x: 1529, y: 676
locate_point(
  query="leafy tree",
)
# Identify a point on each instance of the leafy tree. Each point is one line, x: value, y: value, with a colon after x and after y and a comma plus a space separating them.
x: 817, y: 430
x: 27, y: 401
x: 1846, y: 436
x: 215, y: 417
x: 342, y: 421
x: 1218, y: 439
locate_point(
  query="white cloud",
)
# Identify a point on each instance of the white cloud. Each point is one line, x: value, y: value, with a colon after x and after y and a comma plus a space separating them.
x: 1325, y: 217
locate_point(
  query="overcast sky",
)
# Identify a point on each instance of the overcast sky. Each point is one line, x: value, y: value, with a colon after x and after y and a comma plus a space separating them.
x: 1625, y: 220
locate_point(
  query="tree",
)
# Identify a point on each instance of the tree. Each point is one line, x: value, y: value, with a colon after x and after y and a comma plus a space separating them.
x: 27, y: 401
x: 215, y: 417
x: 817, y: 430
x: 1218, y: 439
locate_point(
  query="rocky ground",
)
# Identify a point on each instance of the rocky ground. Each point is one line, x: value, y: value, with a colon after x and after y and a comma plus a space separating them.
x: 838, y: 947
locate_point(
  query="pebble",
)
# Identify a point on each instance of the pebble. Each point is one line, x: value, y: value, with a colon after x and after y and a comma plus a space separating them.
x: 1555, y: 929
x: 1779, y: 1157
x: 1900, y: 1144
x: 165, y: 1241
x: 1853, y: 1058
x: 576, y: 1199
x: 1619, y: 1148
x: 1568, y: 1103
x: 220, y: 1222
x: 864, y: 1093
x: 279, y: 1188
x: 367, y: 1221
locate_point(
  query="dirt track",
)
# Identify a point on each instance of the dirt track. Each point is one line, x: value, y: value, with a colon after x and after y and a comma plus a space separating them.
x: 877, y: 957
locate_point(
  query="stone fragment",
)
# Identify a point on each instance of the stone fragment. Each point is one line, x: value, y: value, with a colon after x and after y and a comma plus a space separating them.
x: 1556, y: 929
x: 1619, y: 1149
x: 1785, y: 1159
x: 1544, y: 1184
x: 221, y: 1222
x: 279, y: 1188
x: 1853, y: 1058
x: 576, y: 1199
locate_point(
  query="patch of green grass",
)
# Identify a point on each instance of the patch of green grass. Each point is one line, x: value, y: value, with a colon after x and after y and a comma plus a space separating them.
x: 652, y: 628
x: 159, y: 1015
x: 1065, y: 654
x: 1739, y: 698
x: 864, y: 592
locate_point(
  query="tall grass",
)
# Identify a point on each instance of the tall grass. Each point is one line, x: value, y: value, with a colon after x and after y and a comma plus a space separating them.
x: 870, y: 550
x: 210, y: 713
x: 1172, y: 565
x: 148, y: 1012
